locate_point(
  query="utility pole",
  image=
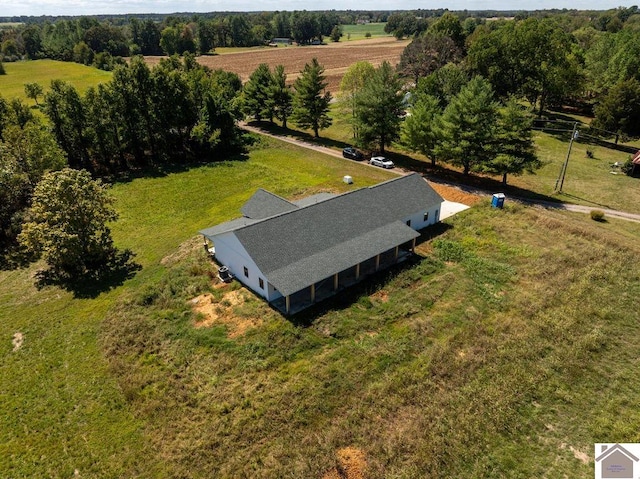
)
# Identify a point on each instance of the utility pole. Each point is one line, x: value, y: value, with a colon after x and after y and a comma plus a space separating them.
x: 563, y: 170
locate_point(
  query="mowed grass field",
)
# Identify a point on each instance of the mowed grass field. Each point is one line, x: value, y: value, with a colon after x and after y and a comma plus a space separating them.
x: 588, y: 181
x: 358, y: 32
x: 61, y: 408
x: 43, y: 71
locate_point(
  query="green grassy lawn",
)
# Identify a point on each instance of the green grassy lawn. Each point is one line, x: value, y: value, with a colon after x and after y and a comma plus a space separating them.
x: 60, y: 407
x: 588, y: 181
x: 496, y: 354
x: 43, y: 71
x: 358, y: 32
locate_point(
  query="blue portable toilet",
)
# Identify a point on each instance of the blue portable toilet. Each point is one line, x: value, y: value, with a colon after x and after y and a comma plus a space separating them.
x: 498, y: 200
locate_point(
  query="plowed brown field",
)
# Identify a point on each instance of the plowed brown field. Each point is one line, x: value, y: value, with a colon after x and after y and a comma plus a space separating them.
x: 335, y: 57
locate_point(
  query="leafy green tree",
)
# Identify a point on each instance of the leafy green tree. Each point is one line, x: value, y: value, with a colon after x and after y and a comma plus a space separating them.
x: 206, y: 36
x: 66, y: 112
x: 619, y: 109
x: 82, y: 53
x: 421, y: 129
x: 336, y: 33
x: 170, y: 40
x: 468, y: 127
x: 256, y: 94
x: 280, y: 96
x: 33, y: 90
x: 449, y: 25
x: 514, y: 143
x: 2, y: 70
x: 425, y: 54
x: 304, y: 27
x: 532, y: 58
x: 311, y: 100
x: 444, y: 83
x: 352, y: 82
x: 26, y: 154
x: 67, y: 226
x: 380, y: 108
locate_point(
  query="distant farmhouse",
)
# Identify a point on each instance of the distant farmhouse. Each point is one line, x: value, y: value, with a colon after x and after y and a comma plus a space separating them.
x: 294, y: 254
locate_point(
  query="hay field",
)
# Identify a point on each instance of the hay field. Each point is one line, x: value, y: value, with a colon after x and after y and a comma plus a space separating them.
x: 335, y: 57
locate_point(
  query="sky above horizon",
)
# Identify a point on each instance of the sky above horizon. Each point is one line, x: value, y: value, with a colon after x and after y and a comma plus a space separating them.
x: 97, y: 7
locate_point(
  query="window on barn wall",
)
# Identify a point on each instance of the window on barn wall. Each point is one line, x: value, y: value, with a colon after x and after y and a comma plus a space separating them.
x: 246, y: 271
x: 426, y: 216
x: 408, y: 222
x: 261, y: 282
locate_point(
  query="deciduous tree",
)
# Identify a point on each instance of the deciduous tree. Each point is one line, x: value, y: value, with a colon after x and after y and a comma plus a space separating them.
x: 380, y: 108
x: 352, y: 82
x: 67, y: 225
x: 425, y: 54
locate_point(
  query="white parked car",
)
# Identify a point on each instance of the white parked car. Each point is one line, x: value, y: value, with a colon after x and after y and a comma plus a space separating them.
x: 381, y: 161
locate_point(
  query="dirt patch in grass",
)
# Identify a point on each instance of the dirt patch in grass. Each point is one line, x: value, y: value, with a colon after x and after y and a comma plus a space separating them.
x: 381, y: 295
x: 451, y: 193
x: 17, y: 341
x: 222, y: 312
x: 352, y: 464
x: 335, y: 57
x: 183, y: 252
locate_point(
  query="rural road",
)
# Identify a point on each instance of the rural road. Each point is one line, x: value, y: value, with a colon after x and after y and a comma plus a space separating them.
x: 623, y: 215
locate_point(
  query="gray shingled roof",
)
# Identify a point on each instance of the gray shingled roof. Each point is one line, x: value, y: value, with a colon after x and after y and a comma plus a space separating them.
x: 308, y: 244
x: 227, y: 227
x: 264, y: 204
x: 313, y: 199
x: 294, y: 276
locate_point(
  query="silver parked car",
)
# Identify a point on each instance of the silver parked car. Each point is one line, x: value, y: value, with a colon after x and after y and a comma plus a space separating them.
x: 381, y: 161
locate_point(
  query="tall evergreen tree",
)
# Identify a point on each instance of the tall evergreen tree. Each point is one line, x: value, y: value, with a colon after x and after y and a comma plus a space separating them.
x: 311, y: 100
x: 280, y: 96
x: 380, y: 108
x: 514, y: 143
x: 469, y: 127
x: 421, y: 129
x: 255, y: 100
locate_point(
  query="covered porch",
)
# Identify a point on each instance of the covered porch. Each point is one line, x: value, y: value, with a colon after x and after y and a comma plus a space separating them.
x: 332, y: 285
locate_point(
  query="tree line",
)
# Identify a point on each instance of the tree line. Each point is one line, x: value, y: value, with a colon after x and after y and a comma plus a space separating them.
x: 103, y: 43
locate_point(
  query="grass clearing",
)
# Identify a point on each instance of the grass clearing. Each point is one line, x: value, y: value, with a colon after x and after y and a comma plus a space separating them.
x: 61, y: 407
x: 495, y: 346
x: 43, y: 71
x: 358, y: 32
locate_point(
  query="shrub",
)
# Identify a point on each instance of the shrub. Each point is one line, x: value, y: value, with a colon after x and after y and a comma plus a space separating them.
x: 2, y: 72
x: 367, y: 35
x: 597, y: 215
x: 589, y: 153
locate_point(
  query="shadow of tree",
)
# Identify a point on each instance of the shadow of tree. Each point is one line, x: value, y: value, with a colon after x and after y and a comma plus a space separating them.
x: 100, y: 279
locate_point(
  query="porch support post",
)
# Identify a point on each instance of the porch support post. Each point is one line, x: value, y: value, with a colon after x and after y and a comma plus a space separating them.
x: 335, y: 282
x: 287, y: 300
x: 313, y: 293
x: 413, y: 245
x: 377, y: 262
x: 397, y: 252
x: 358, y: 271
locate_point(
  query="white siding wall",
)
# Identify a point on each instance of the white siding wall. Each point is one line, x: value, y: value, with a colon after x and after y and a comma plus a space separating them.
x: 231, y: 253
x: 417, y: 219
